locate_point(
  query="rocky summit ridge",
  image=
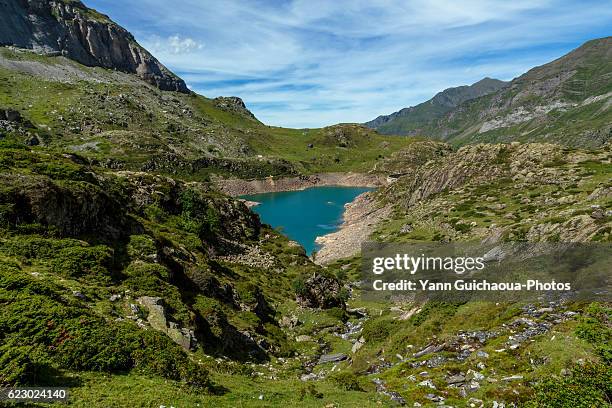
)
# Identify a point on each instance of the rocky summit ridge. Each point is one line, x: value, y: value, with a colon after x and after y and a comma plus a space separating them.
x: 71, y: 29
x: 399, y: 122
x: 566, y: 101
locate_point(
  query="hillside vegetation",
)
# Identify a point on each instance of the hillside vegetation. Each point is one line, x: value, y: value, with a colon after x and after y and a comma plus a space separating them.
x: 566, y: 101
x: 117, y: 121
x: 127, y: 276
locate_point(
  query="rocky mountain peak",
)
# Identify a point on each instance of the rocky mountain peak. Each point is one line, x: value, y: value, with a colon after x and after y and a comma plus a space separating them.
x: 452, y: 97
x: 69, y: 28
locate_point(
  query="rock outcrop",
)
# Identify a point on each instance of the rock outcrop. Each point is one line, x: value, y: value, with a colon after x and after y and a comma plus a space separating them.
x: 71, y: 208
x: 71, y: 29
x: 182, y: 336
x: 233, y: 104
x: 320, y: 291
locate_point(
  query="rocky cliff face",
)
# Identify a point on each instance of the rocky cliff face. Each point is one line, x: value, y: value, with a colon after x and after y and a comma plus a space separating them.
x: 71, y: 29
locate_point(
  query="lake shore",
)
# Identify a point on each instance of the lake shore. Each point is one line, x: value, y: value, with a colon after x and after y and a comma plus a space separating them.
x: 360, y: 218
x: 238, y: 187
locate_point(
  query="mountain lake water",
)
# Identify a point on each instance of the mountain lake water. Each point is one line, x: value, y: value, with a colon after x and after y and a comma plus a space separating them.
x: 306, y: 214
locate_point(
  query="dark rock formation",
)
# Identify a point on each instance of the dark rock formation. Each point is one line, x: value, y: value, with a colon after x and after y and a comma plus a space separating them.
x: 320, y: 291
x: 233, y: 104
x: 73, y: 208
x: 71, y: 29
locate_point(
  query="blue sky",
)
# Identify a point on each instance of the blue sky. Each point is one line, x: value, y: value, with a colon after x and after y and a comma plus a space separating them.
x: 310, y: 63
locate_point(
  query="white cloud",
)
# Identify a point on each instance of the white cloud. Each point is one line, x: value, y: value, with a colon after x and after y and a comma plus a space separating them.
x: 175, y: 45
x: 308, y: 63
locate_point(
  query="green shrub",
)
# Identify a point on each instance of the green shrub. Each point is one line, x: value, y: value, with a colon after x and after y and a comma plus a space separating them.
x: 462, y: 227
x: 337, y: 313
x: 142, y: 247
x: 36, y: 247
x: 198, y: 216
x: 63, y: 171
x: 12, y: 144
x: 79, y: 261
x: 310, y: 389
x: 299, y: 285
x: 441, y: 310
x: 589, y: 386
x: 278, y: 338
x: 376, y: 330
x: 155, y: 213
x: 95, y: 347
x: 141, y: 272
x: 594, y: 328
x: 346, y: 380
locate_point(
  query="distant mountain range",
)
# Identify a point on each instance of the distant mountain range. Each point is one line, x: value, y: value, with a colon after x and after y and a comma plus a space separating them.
x: 566, y: 101
x: 409, y: 120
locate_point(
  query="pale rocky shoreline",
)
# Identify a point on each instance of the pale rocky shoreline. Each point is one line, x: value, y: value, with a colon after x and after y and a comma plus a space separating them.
x: 361, y: 216
x: 238, y: 187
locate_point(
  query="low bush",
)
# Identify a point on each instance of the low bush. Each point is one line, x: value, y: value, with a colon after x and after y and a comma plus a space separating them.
x: 589, y: 386
x: 346, y: 380
x: 80, y: 261
x: 376, y: 330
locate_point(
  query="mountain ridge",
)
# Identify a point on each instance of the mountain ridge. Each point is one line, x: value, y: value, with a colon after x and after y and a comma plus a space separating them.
x: 565, y: 101
x: 439, y: 104
x: 71, y: 29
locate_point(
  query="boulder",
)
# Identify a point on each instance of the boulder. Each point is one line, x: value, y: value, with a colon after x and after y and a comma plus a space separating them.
x: 320, y: 291
x: 157, y: 319
x: 332, y: 358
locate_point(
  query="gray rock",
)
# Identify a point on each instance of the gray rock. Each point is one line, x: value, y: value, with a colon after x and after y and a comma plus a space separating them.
x: 303, y: 338
x: 455, y: 379
x: 434, y: 398
x: 233, y: 104
x: 69, y: 28
x: 436, y: 361
x: 78, y: 294
x: 309, y: 377
x: 321, y: 291
x: 406, y: 229
x: 156, y: 317
x: 512, y: 378
x: 427, y: 383
x: 474, y: 375
x: 289, y: 322
x: 433, y: 348
x: 358, y: 345
x: 475, y: 402
x: 332, y: 358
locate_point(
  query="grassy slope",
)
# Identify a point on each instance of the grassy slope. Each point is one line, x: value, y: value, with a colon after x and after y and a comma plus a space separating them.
x: 123, y: 119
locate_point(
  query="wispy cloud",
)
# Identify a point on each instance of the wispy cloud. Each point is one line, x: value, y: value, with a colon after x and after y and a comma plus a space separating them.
x: 307, y: 63
x: 174, y: 44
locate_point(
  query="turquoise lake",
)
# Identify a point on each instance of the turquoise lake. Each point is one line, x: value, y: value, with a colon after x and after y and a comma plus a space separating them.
x: 304, y: 215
